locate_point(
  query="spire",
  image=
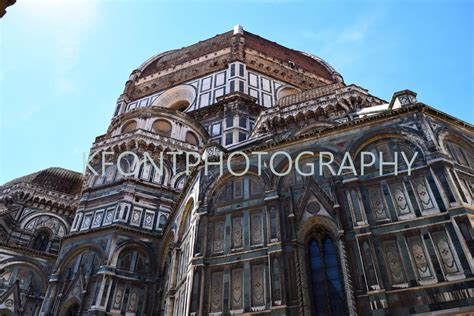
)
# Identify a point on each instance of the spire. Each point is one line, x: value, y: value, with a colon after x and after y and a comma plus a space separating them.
x: 238, y: 29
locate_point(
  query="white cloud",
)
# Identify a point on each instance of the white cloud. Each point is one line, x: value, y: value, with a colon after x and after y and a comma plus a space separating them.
x: 335, y: 43
x: 333, y: 39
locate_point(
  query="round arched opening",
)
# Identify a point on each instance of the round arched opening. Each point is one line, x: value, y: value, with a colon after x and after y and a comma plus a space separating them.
x: 179, y: 105
x: 162, y: 127
x: 129, y: 126
x: 73, y: 310
x: 286, y: 91
x: 177, y: 98
x: 191, y: 138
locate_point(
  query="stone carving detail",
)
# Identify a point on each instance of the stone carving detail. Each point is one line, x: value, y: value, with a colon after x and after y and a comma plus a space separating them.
x: 445, y: 253
x: 132, y: 302
x: 401, y: 200
x: 97, y: 218
x: 148, y: 220
x: 418, y: 253
x: 256, y: 229
x: 369, y: 265
x: 216, y: 292
x: 378, y: 205
x: 258, y: 291
x: 50, y: 222
x: 218, y: 244
x: 276, y: 280
x: 423, y: 194
x: 118, y: 297
x: 86, y: 223
x: 393, y: 262
x: 109, y: 216
x: 236, y: 301
x: 136, y: 216
x: 237, y: 232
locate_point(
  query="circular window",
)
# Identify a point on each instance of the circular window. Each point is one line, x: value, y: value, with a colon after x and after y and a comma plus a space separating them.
x: 177, y: 98
x: 191, y: 138
x: 286, y: 91
x: 162, y: 127
x: 180, y: 105
x: 129, y: 126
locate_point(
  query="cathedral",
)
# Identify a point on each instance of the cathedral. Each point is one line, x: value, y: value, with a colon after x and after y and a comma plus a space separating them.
x: 128, y: 238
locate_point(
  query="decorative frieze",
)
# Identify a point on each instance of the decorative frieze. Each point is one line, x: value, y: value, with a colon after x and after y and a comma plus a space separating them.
x: 394, y: 263
x: 216, y: 292
x: 258, y: 286
x: 236, y: 301
x: 420, y: 260
x: 236, y: 232
x: 256, y: 232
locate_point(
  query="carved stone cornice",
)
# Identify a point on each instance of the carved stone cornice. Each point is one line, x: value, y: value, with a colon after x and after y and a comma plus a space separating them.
x: 325, y: 102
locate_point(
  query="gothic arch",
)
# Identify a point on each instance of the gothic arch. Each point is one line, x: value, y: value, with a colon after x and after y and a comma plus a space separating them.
x: 72, y: 254
x: 321, y: 227
x: 277, y: 181
x: 360, y: 143
x: 29, y: 218
x: 133, y: 245
x: 167, y: 246
x: 305, y: 228
x: 208, y: 192
x: 69, y: 304
x: 446, y: 136
x: 38, y: 270
x: 186, y: 216
x: 316, y: 126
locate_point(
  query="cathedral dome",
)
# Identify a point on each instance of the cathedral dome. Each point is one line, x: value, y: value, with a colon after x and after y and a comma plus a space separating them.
x: 54, y: 178
x: 180, y: 66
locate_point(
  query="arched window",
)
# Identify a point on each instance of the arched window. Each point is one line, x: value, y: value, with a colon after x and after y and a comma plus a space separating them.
x: 41, y: 241
x: 240, y: 188
x: 133, y: 261
x: 459, y: 154
x: 179, y: 105
x: 73, y: 310
x: 389, y: 148
x: 286, y: 91
x: 162, y: 127
x: 88, y: 259
x: 28, y: 279
x: 129, y: 126
x: 191, y: 138
x: 327, y: 289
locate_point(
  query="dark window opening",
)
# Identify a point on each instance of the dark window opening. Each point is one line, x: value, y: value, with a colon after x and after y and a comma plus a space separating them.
x: 326, y: 282
x: 41, y: 241
x: 241, y: 70
x: 243, y: 121
x: 228, y: 138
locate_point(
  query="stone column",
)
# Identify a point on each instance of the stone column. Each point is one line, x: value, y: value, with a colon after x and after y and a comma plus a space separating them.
x: 351, y: 306
x: 170, y: 294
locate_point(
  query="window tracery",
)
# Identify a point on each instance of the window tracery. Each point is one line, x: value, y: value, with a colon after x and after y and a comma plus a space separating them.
x: 327, y: 290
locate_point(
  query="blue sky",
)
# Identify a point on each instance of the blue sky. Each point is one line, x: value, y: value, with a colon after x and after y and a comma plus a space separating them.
x: 64, y: 63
